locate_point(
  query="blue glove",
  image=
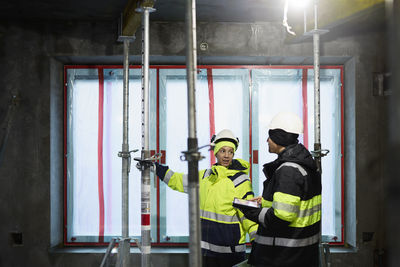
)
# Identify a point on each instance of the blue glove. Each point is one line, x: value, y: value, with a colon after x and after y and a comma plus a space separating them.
x: 161, y: 170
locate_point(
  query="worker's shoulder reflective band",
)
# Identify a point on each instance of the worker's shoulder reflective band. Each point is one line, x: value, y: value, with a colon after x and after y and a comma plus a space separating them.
x: 294, y: 165
x: 223, y: 249
x: 286, y: 242
x: 207, y: 173
x: 185, y: 183
x: 261, y: 216
x: 168, y: 176
x: 218, y: 217
x: 240, y: 179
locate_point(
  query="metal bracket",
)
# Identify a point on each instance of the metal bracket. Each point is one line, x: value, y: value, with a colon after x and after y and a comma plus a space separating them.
x: 121, y: 37
x: 138, y: 244
x: 193, y: 154
x: 127, y: 155
x: 142, y: 9
x: 148, y: 162
x: 319, y: 153
x: 381, y: 84
x: 316, y: 31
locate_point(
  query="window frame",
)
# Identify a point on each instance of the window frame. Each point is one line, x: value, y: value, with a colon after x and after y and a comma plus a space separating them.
x: 252, y: 154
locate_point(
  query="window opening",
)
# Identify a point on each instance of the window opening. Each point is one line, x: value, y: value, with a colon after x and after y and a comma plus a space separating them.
x: 241, y: 98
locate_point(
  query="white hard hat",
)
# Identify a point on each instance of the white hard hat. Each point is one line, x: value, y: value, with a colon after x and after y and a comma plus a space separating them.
x: 224, y: 135
x: 287, y: 121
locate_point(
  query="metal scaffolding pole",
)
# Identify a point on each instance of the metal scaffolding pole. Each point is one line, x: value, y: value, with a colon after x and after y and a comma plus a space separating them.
x: 317, y: 115
x: 192, y: 155
x: 124, y: 244
x: 323, y: 247
x: 145, y: 245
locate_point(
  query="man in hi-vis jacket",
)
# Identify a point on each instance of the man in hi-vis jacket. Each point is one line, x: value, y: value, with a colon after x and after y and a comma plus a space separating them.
x: 290, y: 214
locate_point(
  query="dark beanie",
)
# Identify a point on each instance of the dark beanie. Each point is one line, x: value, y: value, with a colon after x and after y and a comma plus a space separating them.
x: 283, y: 138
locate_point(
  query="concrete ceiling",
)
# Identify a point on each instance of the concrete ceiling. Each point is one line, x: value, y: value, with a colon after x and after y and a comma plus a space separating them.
x: 166, y: 10
x: 340, y: 14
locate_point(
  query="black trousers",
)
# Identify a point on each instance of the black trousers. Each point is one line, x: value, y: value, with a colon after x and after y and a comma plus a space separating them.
x: 221, y: 261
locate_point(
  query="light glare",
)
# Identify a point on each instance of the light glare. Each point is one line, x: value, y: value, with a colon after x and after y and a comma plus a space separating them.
x: 298, y: 3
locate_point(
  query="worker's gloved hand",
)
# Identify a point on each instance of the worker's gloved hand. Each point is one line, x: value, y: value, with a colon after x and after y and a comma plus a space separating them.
x: 152, y: 167
x: 161, y: 170
x: 250, y: 213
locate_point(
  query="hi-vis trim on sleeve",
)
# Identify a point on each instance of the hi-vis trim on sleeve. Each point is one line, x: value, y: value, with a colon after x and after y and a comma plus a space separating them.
x: 168, y: 176
x: 207, y: 173
x: 185, y: 183
x: 218, y: 217
x: 239, y: 178
x: 285, y: 207
x: 294, y: 165
x: 261, y: 216
x: 287, y: 242
x: 266, y: 203
x: 309, y: 212
x: 252, y: 235
x: 223, y: 249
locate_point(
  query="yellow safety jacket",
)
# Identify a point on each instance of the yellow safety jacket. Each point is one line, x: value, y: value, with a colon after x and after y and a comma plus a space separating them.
x: 223, y: 227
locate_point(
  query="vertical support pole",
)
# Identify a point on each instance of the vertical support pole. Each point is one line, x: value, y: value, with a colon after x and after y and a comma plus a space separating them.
x: 193, y: 167
x: 145, y: 181
x: 125, y: 241
x: 317, y: 115
x: 323, y: 248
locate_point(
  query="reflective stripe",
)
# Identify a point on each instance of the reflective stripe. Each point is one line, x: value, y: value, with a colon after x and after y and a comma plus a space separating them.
x: 218, y: 217
x: 238, y: 180
x: 185, y: 183
x: 261, y: 216
x: 223, y: 249
x: 168, y: 176
x: 252, y: 235
x: 310, y: 211
x: 285, y: 207
x: 287, y: 242
x: 294, y: 165
x: 207, y: 173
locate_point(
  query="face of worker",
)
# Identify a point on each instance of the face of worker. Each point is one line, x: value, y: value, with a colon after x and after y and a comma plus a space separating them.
x: 272, y: 147
x: 225, y: 156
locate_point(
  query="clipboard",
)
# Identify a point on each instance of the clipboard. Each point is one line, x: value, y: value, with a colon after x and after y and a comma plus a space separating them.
x: 239, y: 203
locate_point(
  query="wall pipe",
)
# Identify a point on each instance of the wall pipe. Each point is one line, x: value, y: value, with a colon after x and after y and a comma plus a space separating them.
x: 392, y: 154
x: 192, y: 155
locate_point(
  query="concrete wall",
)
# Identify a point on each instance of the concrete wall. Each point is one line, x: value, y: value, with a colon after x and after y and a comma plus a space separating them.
x: 32, y: 57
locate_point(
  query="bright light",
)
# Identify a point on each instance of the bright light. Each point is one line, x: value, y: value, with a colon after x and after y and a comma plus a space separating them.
x: 298, y: 3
